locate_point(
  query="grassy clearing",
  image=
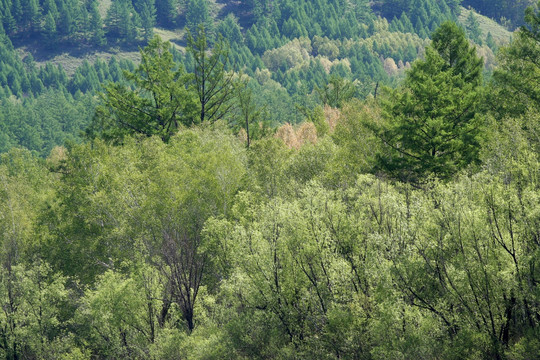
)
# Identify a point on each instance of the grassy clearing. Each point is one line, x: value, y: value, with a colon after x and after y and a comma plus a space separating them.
x: 175, y: 37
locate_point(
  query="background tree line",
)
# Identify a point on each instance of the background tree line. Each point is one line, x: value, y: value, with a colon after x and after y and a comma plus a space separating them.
x: 286, y: 54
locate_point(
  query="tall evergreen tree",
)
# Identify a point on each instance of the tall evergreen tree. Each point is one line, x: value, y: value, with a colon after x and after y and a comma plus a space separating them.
x: 147, y: 12
x: 166, y: 12
x: 198, y: 13
x: 49, y: 28
x: 433, y: 121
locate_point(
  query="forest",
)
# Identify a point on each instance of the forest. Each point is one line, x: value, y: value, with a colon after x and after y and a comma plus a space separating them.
x: 290, y: 180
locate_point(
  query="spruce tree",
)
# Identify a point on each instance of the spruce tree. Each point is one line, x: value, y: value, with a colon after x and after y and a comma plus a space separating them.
x: 49, y: 29
x: 147, y: 12
x: 166, y: 12
x: 198, y: 13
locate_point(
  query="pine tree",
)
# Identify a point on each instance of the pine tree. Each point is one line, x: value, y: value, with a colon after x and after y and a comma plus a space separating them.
x: 159, y: 103
x: 9, y: 23
x: 166, y: 12
x: 113, y: 20
x: 17, y: 11
x: 213, y: 85
x: 32, y: 13
x: 49, y: 6
x: 230, y: 30
x: 198, y: 13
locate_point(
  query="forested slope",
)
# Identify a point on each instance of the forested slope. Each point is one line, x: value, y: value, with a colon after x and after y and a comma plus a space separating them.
x: 299, y: 45
x: 280, y: 192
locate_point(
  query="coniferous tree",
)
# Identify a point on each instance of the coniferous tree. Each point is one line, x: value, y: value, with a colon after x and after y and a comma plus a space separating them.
x: 433, y: 121
x: 213, y: 85
x: 159, y: 104
x: 230, y: 30
x: 166, y: 12
x: 32, y: 14
x: 97, y: 33
x: 473, y: 28
x: 147, y: 11
x: 198, y: 13
x: 49, y: 28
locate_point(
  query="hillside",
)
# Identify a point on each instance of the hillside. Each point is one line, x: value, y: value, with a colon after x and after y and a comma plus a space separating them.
x: 501, y: 35
x: 268, y: 180
x: 291, y: 42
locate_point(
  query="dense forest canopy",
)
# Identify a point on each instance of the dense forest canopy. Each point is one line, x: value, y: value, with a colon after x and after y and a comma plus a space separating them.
x: 281, y: 180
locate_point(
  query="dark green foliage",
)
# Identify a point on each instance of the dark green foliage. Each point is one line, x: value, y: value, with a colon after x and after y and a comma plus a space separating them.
x: 433, y: 121
x: 39, y: 124
x: 198, y: 13
x: 147, y: 11
x: 419, y: 16
x: 230, y: 30
x: 122, y: 21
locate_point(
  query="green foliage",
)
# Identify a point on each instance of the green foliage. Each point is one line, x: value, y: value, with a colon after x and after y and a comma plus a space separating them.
x: 198, y: 14
x: 214, y: 87
x: 433, y: 122
x: 156, y: 206
x: 119, y: 321
x: 516, y: 78
x: 159, y: 104
x: 182, y: 243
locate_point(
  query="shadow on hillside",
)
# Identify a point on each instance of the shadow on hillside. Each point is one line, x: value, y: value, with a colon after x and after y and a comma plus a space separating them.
x: 244, y: 15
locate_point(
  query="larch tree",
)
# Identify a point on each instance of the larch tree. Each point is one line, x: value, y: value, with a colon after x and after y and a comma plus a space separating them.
x: 159, y: 104
x: 432, y: 122
x: 213, y: 85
